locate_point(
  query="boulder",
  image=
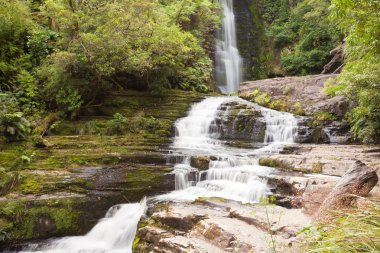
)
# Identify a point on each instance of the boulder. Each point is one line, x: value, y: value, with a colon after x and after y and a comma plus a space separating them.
x: 239, y: 121
x: 201, y: 162
x: 314, y: 196
x: 357, y: 181
x: 338, y: 106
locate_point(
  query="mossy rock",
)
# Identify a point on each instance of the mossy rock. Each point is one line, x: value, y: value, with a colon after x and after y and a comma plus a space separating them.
x: 201, y: 162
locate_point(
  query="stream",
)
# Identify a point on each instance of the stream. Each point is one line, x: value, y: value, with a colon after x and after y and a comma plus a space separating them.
x: 233, y: 174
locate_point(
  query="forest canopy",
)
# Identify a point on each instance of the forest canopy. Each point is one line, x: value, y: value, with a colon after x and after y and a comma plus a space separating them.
x: 70, y: 51
x: 63, y: 55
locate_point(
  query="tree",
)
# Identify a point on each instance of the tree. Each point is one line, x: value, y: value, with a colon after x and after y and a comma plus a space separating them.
x: 359, y: 19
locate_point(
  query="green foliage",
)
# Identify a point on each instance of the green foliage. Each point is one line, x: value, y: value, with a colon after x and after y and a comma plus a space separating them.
x: 118, y: 124
x: 13, y: 125
x: 298, y: 109
x: 261, y: 98
x: 302, y: 31
x: 143, y: 41
x: 60, y: 75
x: 319, y: 118
x: 332, y: 89
x: 361, y: 75
x: 279, y: 105
x: 65, y: 56
x: 346, y: 231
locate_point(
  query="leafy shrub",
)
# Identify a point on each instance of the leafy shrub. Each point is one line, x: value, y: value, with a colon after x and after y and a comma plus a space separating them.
x: 298, y: 109
x: 279, y: 105
x: 333, y: 89
x: 118, y: 125
x: 15, y: 126
x: 304, y: 34
x: 262, y: 99
x: 151, y: 124
x: 319, y: 118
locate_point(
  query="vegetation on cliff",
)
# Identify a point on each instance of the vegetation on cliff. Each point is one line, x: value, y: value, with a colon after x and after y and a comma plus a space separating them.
x: 294, y: 37
x: 360, y: 78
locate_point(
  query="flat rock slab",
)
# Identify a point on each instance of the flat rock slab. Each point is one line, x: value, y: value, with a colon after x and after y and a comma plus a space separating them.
x: 305, y: 89
x: 222, y: 226
x: 332, y: 160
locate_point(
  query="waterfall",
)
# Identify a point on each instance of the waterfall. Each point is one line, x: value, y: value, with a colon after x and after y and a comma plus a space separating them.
x: 227, y: 59
x: 235, y: 174
x: 113, y: 234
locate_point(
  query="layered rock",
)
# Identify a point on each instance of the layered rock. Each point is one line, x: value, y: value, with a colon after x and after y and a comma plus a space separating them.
x: 241, y: 122
x: 217, y: 225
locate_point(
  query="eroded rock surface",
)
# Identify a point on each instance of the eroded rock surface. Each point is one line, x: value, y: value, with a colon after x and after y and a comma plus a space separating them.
x: 217, y: 225
x: 324, y: 116
x: 306, y: 90
x: 358, y: 181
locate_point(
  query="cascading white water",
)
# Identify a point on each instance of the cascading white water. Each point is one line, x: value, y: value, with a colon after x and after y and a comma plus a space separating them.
x: 204, y: 133
x: 113, y: 234
x: 235, y: 174
x: 227, y: 59
x: 280, y: 127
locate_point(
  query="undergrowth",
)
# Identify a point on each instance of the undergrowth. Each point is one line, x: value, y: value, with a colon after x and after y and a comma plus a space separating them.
x: 346, y: 231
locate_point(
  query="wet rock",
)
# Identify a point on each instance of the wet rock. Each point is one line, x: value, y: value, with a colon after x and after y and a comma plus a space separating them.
x: 44, y: 226
x: 153, y: 234
x: 177, y: 220
x: 338, y: 106
x: 226, y: 226
x: 333, y: 160
x: 305, y: 96
x: 241, y: 122
x: 287, y: 185
x: 358, y: 180
x: 201, y: 162
x: 288, y: 201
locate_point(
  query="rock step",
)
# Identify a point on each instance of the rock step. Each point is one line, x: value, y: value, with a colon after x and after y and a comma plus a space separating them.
x: 227, y: 225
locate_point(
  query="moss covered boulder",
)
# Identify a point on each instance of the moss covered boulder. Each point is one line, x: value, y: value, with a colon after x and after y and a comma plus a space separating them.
x: 241, y: 122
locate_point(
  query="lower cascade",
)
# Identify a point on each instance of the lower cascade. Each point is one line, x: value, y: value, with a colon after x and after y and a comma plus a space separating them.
x: 114, y: 233
x: 233, y: 173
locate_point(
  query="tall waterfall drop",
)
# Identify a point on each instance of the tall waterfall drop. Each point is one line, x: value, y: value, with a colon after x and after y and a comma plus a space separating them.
x: 227, y: 60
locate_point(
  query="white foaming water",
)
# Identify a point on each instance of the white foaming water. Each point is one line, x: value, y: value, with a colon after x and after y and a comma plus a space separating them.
x: 113, y: 234
x: 228, y: 60
x: 233, y: 174
x: 198, y: 129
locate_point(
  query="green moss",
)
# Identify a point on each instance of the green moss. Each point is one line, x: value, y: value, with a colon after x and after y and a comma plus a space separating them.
x: 73, y: 144
x: 21, y: 217
x: 30, y: 185
x: 316, y: 167
x: 274, y: 163
x: 319, y: 118
x: 278, y: 164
